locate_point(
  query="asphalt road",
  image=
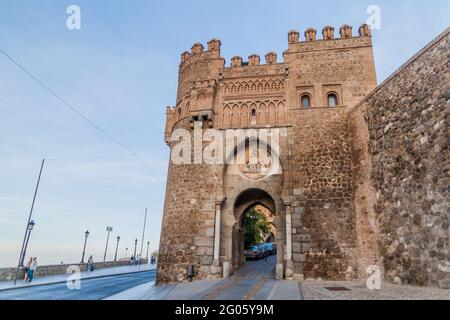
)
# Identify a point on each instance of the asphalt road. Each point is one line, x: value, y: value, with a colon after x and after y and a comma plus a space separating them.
x: 91, y: 289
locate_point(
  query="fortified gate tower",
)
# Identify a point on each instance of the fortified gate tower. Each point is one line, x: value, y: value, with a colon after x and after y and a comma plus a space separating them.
x: 306, y: 94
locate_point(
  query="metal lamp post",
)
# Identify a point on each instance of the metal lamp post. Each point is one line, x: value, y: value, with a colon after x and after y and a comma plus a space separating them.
x: 135, y: 245
x: 142, y: 241
x: 117, y: 247
x: 148, y: 246
x: 22, y: 251
x: 30, y: 228
x: 86, y: 235
x: 109, y: 229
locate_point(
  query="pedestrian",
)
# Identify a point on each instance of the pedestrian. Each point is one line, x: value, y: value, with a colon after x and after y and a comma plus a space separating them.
x: 90, y: 264
x: 266, y: 254
x: 32, y: 270
x: 27, y: 267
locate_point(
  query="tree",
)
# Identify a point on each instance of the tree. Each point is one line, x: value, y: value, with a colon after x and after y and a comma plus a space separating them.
x: 256, y: 226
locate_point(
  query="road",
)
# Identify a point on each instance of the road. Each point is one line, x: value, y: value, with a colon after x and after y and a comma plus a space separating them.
x: 91, y: 289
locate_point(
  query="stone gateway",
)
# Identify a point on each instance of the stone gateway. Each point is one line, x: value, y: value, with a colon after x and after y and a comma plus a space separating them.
x: 359, y: 174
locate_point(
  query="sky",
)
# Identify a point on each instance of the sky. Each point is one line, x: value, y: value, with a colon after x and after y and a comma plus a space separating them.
x: 120, y: 70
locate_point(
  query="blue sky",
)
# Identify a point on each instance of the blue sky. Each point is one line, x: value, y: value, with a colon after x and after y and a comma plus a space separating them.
x: 120, y: 70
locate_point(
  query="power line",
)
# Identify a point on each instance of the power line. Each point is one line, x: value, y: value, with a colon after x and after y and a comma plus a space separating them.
x: 77, y: 112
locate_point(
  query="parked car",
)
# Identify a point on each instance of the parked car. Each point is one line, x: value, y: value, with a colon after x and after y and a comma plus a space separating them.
x: 258, y: 251
x: 273, y: 248
x: 263, y: 247
x: 269, y: 246
x: 254, y: 252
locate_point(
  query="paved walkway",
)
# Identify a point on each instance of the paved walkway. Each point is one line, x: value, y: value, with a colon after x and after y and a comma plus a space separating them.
x: 357, y: 290
x: 5, y: 285
x: 89, y: 289
x: 255, y: 281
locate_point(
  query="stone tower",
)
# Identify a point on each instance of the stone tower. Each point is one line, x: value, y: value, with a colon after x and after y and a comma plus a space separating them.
x: 305, y: 98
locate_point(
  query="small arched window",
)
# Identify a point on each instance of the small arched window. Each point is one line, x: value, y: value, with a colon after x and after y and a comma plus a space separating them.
x: 305, y: 101
x: 253, y: 112
x: 332, y: 100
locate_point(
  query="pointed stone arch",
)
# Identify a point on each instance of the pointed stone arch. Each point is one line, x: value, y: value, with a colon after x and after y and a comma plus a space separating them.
x: 235, y: 118
x: 281, y: 113
x: 245, y: 116
x: 226, y: 116
x: 272, y: 110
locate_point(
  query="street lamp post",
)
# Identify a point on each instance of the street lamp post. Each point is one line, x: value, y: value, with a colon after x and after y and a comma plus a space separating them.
x: 148, y: 246
x: 30, y: 228
x: 86, y: 235
x: 135, y: 245
x: 109, y: 229
x: 143, y: 235
x: 117, y: 247
x: 28, y: 222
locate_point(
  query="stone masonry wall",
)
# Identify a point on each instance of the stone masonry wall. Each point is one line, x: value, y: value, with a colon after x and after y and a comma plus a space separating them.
x: 323, y: 213
x: 323, y: 217
x: 188, y: 223
x: 401, y: 165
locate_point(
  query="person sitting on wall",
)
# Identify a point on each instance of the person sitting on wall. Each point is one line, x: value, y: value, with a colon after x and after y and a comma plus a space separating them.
x: 27, y: 267
x: 90, y: 264
x: 32, y: 269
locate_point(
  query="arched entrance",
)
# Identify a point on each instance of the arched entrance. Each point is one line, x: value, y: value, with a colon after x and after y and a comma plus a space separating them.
x: 254, y: 212
x: 251, y: 180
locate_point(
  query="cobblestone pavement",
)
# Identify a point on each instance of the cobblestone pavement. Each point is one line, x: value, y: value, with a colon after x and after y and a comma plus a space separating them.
x: 255, y: 281
x: 317, y: 290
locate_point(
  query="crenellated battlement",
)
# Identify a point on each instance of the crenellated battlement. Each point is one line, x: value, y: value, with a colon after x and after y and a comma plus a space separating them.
x: 198, y: 51
x: 328, y: 41
x: 328, y: 33
x: 254, y: 60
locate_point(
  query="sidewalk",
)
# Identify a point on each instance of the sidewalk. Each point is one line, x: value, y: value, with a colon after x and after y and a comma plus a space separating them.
x: 243, y: 289
x: 6, y: 285
x: 255, y: 281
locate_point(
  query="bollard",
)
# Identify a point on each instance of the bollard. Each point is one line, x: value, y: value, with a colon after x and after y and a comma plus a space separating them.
x: 190, y: 272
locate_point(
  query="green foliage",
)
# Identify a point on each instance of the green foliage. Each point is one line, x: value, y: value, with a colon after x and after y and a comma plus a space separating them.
x: 256, y: 226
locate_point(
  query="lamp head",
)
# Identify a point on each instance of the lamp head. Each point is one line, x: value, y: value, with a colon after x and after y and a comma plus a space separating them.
x: 31, y: 225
